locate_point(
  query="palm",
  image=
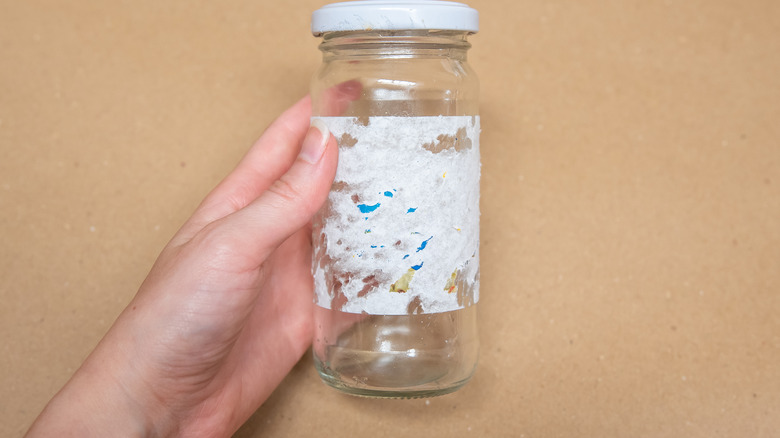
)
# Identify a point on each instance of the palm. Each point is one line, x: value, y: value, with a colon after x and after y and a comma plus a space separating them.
x: 240, y: 360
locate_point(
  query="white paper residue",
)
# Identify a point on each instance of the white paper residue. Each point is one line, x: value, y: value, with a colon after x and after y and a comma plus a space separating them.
x: 399, y: 233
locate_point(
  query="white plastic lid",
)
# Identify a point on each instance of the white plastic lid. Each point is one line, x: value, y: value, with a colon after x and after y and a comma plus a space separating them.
x: 394, y: 15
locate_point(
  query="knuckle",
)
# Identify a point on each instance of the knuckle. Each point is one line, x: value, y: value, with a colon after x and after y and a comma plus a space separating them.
x: 218, y: 250
x: 285, y: 190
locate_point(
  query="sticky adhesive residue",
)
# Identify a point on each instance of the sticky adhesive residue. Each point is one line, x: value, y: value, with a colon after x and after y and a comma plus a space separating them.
x: 399, y: 233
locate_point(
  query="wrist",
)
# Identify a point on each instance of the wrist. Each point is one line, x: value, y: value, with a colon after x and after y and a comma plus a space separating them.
x: 101, y: 400
x: 87, y: 409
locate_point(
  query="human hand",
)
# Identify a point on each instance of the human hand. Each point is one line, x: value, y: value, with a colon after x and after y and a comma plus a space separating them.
x: 226, y: 310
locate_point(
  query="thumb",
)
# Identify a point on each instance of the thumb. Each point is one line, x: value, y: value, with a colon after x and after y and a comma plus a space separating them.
x: 289, y: 204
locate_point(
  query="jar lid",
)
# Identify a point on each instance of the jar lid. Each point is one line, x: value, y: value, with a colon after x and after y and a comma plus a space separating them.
x: 394, y: 15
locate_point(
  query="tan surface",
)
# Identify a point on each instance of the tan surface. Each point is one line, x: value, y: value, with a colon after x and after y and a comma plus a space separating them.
x: 631, y: 204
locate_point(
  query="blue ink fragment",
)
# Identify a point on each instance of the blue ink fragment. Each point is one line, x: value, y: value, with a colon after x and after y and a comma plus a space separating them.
x: 423, y: 245
x: 417, y: 267
x: 405, y: 257
x: 368, y: 208
x: 373, y: 246
x: 367, y: 231
x: 389, y: 194
x: 411, y: 210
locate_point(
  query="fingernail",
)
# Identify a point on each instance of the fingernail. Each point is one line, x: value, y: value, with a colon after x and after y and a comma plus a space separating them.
x: 315, y: 141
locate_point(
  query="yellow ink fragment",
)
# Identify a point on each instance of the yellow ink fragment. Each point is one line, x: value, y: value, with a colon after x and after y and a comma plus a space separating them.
x: 402, y: 285
x: 445, y: 175
x: 452, y: 286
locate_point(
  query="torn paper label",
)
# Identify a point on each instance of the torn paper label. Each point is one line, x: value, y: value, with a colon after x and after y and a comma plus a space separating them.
x: 399, y: 233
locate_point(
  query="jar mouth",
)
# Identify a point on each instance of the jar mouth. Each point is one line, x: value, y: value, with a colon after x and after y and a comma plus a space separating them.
x: 395, y: 41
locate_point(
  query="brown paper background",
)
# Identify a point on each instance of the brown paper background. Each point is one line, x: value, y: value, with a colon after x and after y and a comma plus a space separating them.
x: 630, y: 204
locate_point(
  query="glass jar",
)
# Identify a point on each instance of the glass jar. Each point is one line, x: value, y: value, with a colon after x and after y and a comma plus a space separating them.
x: 396, y: 245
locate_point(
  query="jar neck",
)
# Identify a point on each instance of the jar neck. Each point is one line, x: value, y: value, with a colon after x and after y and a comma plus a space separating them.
x: 395, y: 44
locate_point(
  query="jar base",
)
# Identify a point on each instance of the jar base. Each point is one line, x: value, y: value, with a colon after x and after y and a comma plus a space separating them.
x: 428, y: 390
x: 396, y: 356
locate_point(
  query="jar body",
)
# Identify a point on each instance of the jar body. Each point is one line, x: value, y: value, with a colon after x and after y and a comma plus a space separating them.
x: 407, y: 82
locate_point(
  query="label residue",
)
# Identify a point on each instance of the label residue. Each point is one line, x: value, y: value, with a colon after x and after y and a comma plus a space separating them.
x: 399, y: 233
